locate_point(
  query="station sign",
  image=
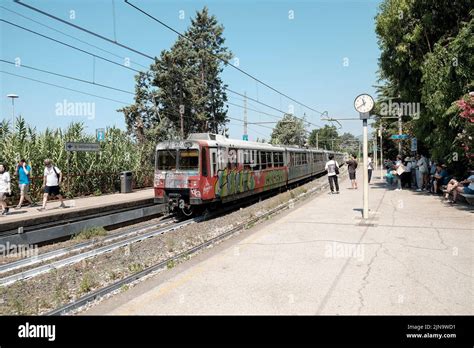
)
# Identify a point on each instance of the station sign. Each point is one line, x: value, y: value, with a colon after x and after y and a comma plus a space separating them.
x: 100, y: 134
x: 399, y: 136
x: 414, y: 145
x: 82, y: 147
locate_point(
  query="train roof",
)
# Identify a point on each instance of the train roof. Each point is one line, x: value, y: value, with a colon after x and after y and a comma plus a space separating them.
x: 220, y: 140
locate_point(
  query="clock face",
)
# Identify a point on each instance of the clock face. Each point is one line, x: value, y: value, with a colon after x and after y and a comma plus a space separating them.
x: 364, y: 103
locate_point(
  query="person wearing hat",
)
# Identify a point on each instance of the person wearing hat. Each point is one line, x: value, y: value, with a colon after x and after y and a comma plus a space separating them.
x: 440, y: 177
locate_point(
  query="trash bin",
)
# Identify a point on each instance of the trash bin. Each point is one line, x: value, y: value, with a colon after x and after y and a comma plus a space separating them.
x: 125, y: 182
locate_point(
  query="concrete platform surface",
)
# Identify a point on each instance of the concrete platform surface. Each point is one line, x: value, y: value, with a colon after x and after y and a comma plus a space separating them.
x: 413, y: 256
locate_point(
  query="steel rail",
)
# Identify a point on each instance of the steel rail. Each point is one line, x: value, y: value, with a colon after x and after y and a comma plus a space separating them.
x: 29, y: 261
x: 91, y: 253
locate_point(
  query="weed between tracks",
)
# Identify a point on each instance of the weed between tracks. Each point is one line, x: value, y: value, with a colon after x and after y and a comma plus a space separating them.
x: 45, y: 292
x: 89, y: 233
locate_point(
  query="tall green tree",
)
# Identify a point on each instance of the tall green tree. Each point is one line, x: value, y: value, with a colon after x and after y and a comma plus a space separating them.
x: 426, y: 58
x: 289, y: 130
x: 183, y: 83
x: 324, y: 138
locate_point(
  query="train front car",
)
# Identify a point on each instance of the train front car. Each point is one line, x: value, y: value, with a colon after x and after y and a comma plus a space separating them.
x: 177, y: 174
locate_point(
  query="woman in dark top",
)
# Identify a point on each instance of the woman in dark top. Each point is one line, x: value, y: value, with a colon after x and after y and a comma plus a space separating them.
x: 351, y: 168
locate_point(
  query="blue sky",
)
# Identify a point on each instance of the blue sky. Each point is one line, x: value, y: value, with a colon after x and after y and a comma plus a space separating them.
x: 302, y: 56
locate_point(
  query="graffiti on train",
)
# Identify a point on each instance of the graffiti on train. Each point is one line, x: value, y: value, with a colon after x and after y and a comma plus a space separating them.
x: 232, y: 181
x: 275, y: 177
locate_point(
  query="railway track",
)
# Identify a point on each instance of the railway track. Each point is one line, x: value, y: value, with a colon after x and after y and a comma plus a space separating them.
x: 32, y: 260
x: 130, y: 238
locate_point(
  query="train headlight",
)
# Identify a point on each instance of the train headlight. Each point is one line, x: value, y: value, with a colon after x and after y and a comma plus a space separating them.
x: 193, y: 183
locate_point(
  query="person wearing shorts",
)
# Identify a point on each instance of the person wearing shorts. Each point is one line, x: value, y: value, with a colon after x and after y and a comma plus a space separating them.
x: 51, y: 181
x: 24, y: 172
x: 351, y: 168
x: 456, y: 187
x: 5, y: 188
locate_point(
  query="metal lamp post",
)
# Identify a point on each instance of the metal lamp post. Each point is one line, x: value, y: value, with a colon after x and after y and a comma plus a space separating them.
x: 13, y: 97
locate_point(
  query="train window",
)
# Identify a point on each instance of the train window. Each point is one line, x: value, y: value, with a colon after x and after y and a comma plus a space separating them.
x: 255, y: 160
x: 232, y: 159
x: 247, y: 160
x: 278, y: 159
x: 269, y: 160
x: 166, y: 159
x: 263, y: 159
x: 189, y: 159
x: 204, y: 161
x: 214, y: 163
x: 305, y: 160
x: 275, y: 159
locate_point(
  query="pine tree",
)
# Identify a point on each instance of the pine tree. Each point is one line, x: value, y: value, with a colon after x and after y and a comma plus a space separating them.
x: 184, y: 80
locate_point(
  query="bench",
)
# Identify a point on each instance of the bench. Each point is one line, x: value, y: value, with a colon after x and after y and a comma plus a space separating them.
x: 469, y: 198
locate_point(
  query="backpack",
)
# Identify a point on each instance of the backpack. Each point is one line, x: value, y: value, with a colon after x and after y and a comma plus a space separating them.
x: 55, y: 172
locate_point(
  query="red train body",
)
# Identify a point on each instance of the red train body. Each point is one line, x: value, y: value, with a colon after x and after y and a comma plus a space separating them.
x: 209, y: 168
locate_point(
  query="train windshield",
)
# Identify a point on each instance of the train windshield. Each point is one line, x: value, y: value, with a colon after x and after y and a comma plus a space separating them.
x: 166, y: 159
x: 188, y: 159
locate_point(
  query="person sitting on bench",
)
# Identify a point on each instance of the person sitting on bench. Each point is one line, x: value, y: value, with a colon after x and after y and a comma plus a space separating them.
x: 456, y: 187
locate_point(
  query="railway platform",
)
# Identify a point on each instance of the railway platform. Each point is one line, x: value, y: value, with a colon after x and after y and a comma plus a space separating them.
x: 29, y: 218
x: 321, y: 257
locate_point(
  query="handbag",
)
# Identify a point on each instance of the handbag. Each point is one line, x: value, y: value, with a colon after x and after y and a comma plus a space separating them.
x: 336, y: 169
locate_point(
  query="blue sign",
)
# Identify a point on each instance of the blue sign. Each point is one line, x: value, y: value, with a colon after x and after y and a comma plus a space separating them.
x: 245, y: 137
x: 399, y: 136
x: 414, y: 145
x: 100, y: 134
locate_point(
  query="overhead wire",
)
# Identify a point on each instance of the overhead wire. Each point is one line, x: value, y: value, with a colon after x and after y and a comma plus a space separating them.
x: 150, y: 57
x: 68, y: 77
x: 62, y: 87
x: 68, y: 45
x: 72, y: 37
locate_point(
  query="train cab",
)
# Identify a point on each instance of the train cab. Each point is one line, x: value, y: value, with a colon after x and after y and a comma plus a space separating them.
x: 177, y: 173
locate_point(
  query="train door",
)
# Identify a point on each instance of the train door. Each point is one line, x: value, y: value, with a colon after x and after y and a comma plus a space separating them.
x: 214, y: 160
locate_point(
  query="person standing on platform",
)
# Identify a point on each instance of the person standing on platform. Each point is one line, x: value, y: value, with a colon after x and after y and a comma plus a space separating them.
x: 5, y: 188
x: 332, y: 168
x: 422, y: 164
x: 370, y: 167
x: 351, y: 168
x: 51, y: 183
x: 23, y: 171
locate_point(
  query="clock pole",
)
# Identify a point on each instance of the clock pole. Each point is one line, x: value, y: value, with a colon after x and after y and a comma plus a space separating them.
x: 365, y: 213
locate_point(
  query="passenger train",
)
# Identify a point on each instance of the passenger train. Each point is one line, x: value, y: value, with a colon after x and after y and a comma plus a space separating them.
x: 208, y: 169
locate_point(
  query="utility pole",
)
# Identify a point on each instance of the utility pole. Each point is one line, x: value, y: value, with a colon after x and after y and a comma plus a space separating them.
x: 317, y: 140
x: 381, y: 153
x: 13, y: 97
x: 400, y: 132
x: 246, y: 136
x: 375, y: 154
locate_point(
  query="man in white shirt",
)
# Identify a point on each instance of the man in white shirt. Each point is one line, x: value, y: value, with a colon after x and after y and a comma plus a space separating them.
x: 51, y: 181
x: 5, y: 188
x: 422, y: 165
x: 332, y: 168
